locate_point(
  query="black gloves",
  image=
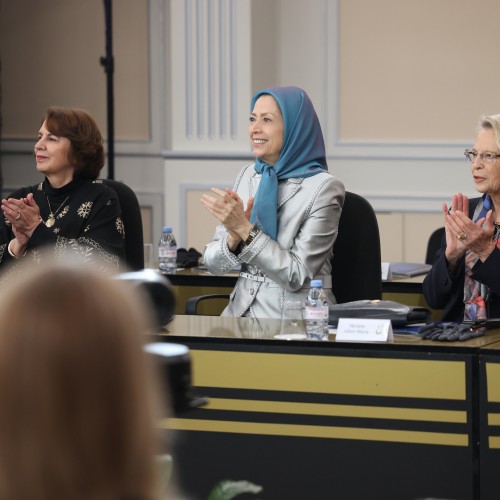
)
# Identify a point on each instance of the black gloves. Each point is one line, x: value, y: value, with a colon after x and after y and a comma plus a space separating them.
x: 451, y: 331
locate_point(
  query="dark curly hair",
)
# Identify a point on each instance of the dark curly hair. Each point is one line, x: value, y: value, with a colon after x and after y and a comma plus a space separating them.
x: 87, y: 151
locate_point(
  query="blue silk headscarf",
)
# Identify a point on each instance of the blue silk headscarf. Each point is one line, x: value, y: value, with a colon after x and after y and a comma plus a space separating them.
x: 302, y: 154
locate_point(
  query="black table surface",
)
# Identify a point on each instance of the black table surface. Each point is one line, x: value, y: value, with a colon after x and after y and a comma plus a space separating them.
x: 202, y: 277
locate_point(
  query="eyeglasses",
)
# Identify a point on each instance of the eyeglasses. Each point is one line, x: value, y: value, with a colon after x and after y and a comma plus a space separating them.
x: 471, y: 155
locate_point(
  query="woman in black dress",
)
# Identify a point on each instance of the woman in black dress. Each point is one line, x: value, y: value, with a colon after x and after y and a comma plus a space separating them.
x: 70, y: 211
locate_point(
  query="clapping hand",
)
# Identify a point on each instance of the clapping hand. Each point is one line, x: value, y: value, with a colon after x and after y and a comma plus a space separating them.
x: 24, y: 216
x: 228, y: 208
x: 463, y: 234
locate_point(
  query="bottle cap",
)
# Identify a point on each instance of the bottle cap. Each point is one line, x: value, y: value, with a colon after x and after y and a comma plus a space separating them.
x: 316, y: 283
x: 167, y: 229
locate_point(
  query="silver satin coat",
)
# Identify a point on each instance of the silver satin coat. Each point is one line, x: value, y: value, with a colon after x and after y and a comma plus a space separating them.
x: 308, y: 216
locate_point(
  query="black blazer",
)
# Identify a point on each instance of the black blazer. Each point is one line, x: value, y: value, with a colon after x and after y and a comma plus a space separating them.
x: 443, y: 290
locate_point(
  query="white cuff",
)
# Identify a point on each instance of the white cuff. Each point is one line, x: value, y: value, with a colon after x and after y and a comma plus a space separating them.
x: 11, y: 253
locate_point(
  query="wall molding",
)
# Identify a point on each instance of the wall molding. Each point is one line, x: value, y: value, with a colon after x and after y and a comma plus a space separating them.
x: 353, y: 149
x: 184, y: 189
x: 155, y: 201
x: 356, y: 151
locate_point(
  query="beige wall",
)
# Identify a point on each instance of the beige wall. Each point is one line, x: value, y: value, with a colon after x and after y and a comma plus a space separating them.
x: 50, y: 56
x: 417, y: 58
x: 398, y: 87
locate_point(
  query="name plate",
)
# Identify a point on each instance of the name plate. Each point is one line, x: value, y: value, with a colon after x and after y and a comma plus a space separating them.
x: 364, y: 330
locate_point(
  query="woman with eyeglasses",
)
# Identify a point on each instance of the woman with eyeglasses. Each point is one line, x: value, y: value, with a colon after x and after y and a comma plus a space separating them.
x: 465, y: 277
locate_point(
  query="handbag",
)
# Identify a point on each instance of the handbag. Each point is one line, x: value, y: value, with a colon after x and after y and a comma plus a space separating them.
x: 399, y: 314
x: 187, y: 258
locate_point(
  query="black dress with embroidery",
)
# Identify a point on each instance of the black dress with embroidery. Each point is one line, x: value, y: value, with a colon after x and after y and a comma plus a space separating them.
x: 87, y: 222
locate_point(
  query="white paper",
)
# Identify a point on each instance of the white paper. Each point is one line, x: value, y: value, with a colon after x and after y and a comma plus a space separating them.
x: 386, y: 271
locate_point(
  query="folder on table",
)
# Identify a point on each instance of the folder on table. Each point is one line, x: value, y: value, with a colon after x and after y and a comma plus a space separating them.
x: 409, y: 268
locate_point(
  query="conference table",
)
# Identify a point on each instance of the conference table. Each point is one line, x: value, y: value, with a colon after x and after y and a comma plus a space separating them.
x: 191, y: 282
x: 404, y: 419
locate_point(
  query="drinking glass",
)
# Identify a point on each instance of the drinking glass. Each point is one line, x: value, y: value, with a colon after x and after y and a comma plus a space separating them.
x: 292, y: 321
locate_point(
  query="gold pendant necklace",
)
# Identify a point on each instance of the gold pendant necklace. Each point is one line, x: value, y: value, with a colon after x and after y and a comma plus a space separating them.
x: 51, y: 219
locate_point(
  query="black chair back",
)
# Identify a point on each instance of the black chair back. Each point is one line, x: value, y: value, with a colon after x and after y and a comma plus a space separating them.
x: 356, y: 263
x: 433, y: 245
x: 132, y: 221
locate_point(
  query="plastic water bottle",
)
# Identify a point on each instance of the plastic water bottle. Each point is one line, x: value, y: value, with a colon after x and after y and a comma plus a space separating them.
x: 316, y: 313
x: 167, y: 251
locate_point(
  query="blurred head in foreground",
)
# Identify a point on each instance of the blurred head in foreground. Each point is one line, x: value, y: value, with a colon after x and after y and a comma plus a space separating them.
x: 76, y: 390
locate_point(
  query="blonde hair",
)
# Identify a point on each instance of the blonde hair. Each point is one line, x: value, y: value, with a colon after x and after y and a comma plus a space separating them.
x: 491, y: 122
x: 77, y: 410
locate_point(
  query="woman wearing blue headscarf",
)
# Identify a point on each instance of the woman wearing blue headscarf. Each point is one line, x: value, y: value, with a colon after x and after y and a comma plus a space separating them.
x: 280, y: 220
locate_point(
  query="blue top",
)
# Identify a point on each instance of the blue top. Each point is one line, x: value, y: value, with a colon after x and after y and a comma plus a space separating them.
x: 302, y: 154
x: 483, y: 207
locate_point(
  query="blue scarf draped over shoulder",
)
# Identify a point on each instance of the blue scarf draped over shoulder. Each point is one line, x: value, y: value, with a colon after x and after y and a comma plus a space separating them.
x: 302, y: 154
